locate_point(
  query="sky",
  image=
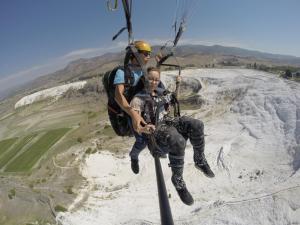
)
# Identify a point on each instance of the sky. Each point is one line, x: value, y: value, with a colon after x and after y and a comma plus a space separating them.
x: 37, y: 37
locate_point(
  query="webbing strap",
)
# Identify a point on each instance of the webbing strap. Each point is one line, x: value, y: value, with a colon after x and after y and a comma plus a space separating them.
x: 171, y: 156
x: 129, y: 78
x: 163, y: 59
x: 179, y: 163
x: 112, y: 109
x: 132, y: 49
x: 120, y: 31
x: 127, y: 10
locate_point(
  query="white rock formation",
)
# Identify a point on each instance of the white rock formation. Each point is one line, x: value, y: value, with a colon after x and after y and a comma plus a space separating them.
x: 55, y: 93
x: 252, y: 123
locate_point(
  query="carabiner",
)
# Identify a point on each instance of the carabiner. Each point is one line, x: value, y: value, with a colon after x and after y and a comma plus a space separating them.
x: 110, y: 8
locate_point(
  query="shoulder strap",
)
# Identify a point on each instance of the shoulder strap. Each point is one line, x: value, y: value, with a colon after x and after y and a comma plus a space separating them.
x: 131, y: 51
x: 128, y: 76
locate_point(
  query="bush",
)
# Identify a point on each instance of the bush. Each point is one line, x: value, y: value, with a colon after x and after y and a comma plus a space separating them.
x: 107, y: 126
x: 12, y: 193
x: 59, y: 208
x: 88, y: 151
x: 79, y: 139
x: 69, y: 190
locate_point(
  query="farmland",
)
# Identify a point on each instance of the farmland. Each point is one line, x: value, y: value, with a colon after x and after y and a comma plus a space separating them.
x: 27, y: 159
x: 21, y: 154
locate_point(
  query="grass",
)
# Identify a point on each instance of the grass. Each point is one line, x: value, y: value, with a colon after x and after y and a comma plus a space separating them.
x: 25, y: 161
x: 108, y: 131
x: 187, y: 106
x: 14, y: 151
x: 5, y: 145
x: 92, y: 115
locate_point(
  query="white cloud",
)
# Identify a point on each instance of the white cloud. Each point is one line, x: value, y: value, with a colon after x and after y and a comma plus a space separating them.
x: 90, y: 52
x: 81, y: 52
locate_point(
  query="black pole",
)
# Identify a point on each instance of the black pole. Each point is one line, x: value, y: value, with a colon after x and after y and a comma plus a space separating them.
x: 164, y: 206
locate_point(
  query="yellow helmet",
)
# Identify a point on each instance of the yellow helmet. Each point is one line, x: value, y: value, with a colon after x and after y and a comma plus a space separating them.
x: 142, y: 46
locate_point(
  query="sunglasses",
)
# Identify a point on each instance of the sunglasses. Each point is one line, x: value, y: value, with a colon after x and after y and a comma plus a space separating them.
x: 145, y: 53
x: 154, y: 79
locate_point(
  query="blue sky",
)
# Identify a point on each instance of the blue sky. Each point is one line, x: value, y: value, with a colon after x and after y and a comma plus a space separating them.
x: 41, y: 36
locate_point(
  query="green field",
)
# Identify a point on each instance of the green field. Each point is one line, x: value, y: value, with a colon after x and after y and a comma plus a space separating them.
x: 14, y: 151
x: 26, y: 160
x: 5, y: 145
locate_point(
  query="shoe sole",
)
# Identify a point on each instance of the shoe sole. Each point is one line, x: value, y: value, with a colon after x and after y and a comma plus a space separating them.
x: 188, y: 203
x: 199, y: 168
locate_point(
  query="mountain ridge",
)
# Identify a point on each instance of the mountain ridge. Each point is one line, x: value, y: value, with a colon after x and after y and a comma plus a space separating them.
x: 198, y: 55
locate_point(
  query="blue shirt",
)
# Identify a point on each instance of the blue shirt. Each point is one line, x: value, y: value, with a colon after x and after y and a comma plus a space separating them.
x: 120, y: 77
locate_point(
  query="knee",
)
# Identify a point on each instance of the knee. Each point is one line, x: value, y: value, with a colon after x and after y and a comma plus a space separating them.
x: 181, y: 142
x: 140, y: 143
x: 197, y: 125
x: 143, y: 144
x: 177, y: 143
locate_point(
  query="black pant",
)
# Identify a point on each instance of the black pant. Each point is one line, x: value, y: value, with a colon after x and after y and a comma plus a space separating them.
x: 171, y: 137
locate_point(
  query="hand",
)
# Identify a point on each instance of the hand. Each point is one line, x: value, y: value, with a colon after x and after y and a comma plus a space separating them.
x: 148, y: 129
x: 158, y: 57
x: 138, y: 123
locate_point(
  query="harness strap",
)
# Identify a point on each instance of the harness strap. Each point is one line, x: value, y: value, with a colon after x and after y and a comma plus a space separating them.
x: 115, y: 111
x: 131, y: 50
x: 112, y: 109
x: 171, y: 156
x: 176, y: 106
x: 149, y: 108
x: 176, y: 161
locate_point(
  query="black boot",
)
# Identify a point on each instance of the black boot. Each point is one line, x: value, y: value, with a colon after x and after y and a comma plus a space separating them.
x: 185, y: 196
x: 180, y: 186
x: 198, y: 142
x: 135, y: 166
x: 201, y: 164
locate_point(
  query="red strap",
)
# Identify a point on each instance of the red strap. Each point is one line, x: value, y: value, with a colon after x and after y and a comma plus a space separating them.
x: 112, y: 109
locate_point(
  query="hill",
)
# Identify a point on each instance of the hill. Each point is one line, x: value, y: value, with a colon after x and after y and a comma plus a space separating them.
x: 188, y: 55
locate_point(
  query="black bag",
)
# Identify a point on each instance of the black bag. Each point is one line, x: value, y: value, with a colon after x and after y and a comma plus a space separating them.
x: 119, y: 120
